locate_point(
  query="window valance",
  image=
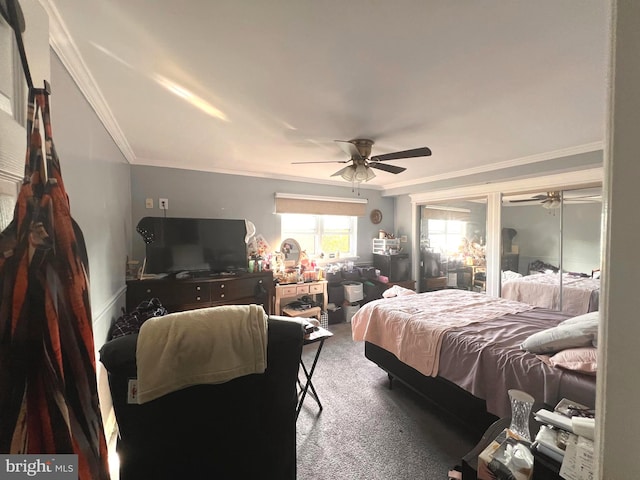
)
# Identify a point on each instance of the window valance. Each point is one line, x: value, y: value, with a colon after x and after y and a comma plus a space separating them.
x: 435, y: 212
x: 314, y: 205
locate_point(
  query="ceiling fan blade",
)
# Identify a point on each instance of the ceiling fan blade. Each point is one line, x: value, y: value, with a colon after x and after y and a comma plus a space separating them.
x: 416, y: 152
x: 387, y: 168
x: 349, y: 148
x: 323, y: 161
x: 535, y: 198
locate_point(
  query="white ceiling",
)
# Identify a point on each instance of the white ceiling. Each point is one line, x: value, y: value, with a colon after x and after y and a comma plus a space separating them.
x: 483, y: 84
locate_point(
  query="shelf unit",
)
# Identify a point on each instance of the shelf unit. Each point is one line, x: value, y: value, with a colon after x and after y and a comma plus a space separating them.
x: 383, y: 246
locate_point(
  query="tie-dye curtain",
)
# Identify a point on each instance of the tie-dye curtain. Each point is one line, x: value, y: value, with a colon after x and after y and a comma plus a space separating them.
x: 48, y: 388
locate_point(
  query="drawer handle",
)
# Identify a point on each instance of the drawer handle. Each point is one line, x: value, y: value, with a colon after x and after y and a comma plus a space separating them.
x: 198, y: 288
x: 222, y: 296
x: 222, y: 285
x: 198, y: 298
x: 148, y: 290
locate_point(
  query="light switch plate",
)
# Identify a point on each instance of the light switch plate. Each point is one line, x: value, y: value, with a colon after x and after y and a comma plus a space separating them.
x: 148, y: 203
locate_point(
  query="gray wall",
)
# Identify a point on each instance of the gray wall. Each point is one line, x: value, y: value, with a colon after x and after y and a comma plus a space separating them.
x: 581, y: 237
x: 215, y: 195
x: 97, y: 179
x: 538, y: 236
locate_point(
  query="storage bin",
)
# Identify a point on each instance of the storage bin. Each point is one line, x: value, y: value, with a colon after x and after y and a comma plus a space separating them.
x: 335, y: 315
x: 353, y: 291
x: 324, y: 320
x: 372, y: 291
x: 335, y: 293
x: 349, y: 311
x: 351, y: 275
x: 334, y: 277
x: 368, y: 273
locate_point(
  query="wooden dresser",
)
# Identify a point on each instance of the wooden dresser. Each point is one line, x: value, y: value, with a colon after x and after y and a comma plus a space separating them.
x: 190, y: 293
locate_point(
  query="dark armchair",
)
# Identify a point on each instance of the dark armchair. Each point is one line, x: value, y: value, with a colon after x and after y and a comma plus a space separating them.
x: 241, y: 429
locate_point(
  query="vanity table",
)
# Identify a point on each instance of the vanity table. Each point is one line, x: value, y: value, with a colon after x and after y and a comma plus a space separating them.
x: 285, y: 293
x: 292, y: 291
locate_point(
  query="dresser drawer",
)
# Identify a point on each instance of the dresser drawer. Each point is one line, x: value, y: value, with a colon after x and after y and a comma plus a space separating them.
x: 171, y: 295
x: 191, y: 293
x: 289, y: 291
x: 239, y: 288
x: 316, y: 288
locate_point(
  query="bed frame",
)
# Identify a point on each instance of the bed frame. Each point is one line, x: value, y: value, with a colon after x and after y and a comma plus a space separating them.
x: 456, y: 402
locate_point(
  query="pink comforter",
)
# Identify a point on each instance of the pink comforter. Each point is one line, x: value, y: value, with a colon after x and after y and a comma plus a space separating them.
x: 411, y: 327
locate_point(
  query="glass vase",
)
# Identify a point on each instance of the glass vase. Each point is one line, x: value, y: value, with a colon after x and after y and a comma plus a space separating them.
x: 521, y: 404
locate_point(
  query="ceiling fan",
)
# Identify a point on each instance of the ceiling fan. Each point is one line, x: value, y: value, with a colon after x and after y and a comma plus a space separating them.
x: 359, y: 151
x: 552, y: 200
x: 548, y: 200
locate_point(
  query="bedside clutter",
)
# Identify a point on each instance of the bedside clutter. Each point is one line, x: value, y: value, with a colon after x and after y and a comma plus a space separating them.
x: 349, y: 289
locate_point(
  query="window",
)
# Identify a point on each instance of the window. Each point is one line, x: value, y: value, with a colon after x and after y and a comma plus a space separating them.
x: 445, y: 236
x: 316, y: 234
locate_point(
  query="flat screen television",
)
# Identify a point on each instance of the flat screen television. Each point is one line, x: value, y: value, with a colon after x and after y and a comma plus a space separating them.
x: 194, y: 245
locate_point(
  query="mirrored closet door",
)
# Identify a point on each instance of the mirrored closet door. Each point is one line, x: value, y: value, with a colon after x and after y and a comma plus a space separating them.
x: 452, y: 245
x: 550, y: 245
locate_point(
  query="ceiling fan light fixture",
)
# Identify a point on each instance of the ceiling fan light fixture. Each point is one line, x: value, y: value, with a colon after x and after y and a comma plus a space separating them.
x: 370, y: 174
x: 552, y: 203
x: 348, y: 173
x: 363, y: 174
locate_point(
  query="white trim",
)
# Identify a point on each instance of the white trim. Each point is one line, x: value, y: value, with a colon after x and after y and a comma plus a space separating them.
x: 64, y: 46
x: 448, y: 209
x: 296, y: 196
x: 580, y: 178
x: 108, y: 306
x: 516, y: 162
x: 494, y: 239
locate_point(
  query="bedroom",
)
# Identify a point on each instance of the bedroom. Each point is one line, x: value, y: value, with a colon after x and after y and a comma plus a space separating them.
x: 107, y: 196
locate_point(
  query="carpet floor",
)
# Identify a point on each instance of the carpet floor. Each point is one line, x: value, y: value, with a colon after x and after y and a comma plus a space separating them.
x: 367, y: 431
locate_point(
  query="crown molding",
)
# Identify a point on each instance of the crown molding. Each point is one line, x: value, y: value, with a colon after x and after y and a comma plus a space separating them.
x: 64, y: 46
x: 576, y: 179
x: 517, y: 162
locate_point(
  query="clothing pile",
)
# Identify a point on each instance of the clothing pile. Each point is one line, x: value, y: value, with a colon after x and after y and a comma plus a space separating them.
x: 130, y: 322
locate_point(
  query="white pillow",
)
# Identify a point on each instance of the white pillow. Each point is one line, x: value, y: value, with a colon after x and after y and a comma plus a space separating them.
x: 580, y: 331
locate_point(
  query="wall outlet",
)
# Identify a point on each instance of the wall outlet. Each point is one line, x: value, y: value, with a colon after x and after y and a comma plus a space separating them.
x: 403, y: 238
x: 163, y: 203
x: 148, y: 203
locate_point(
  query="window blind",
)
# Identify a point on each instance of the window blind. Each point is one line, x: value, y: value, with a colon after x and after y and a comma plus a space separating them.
x: 446, y: 213
x: 312, y: 205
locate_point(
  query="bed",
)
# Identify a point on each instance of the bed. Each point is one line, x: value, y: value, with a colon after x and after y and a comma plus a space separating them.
x: 580, y: 294
x: 461, y: 350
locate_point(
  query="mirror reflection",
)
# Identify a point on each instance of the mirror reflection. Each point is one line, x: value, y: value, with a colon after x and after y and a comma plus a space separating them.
x: 452, y: 245
x: 290, y: 250
x: 550, y: 246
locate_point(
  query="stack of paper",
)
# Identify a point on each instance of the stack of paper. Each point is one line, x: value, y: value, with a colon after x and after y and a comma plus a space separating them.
x: 567, y: 437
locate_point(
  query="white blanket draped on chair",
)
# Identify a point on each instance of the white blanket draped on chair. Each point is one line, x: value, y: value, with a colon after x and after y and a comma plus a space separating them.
x: 208, y: 345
